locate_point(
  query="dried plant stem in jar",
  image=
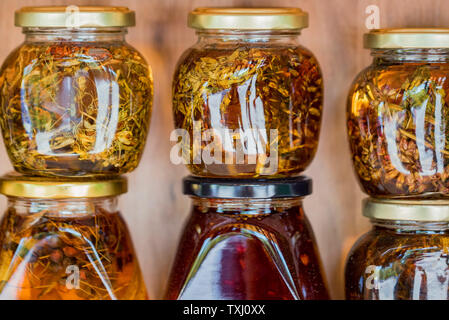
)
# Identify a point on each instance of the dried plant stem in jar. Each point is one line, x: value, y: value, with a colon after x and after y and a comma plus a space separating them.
x: 388, y: 264
x: 46, y: 254
x: 249, y: 91
x: 71, y: 108
x: 398, y: 123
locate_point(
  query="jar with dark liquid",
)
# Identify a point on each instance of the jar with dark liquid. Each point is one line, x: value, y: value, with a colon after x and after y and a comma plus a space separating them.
x: 66, y: 240
x: 247, y: 241
x: 405, y: 256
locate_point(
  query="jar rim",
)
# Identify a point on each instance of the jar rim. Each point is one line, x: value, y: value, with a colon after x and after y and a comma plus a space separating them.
x: 16, y: 185
x: 74, y: 17
x: 223, y: 188
x: 228, y: 18
x: 407, y: 38
x: 406, y: 209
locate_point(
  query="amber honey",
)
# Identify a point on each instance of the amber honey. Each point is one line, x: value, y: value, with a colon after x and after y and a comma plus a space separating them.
x: 50, y: 254
x: 75, y: 103
x: 65, y: 239
x: 248, y: 95
x: 397, y: 116
x: 405, y: 254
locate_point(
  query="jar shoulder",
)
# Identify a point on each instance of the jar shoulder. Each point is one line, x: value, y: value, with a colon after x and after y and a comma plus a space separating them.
x: 383, y: 249
x: 29, y: 53
x: 398, y: 76
x: 390, y: 266
x: 233, y: 53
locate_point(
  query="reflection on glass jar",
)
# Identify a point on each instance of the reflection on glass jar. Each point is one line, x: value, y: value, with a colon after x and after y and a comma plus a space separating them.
x: 75, y: 101
x: 405, y: 256
x: 246, y: 249
x: 398, y: 116
x: 66, y: 248
x: 250, y: 101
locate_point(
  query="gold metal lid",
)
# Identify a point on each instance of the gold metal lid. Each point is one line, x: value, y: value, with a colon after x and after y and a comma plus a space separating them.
x: 15, y: 185
x: 75, y: 17
x: 406, y: 210
x: 248, y: 18
x: 407, y: 38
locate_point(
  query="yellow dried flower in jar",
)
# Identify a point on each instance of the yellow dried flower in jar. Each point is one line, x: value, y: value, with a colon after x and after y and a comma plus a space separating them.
x: 405, y: 254
x: 75, y: 99
x: 398, y: 117
x: 64, y: 239
x: 247, y: 95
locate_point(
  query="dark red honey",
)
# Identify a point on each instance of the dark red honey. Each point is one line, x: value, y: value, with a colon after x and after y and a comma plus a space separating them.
x: 247, y: 250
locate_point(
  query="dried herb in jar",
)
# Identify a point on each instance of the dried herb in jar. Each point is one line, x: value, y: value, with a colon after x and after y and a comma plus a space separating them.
x: 73, y: 108
x: 46, y: 255
x: 398, y: 122
x: 388, y: 264
x: 245, y: 89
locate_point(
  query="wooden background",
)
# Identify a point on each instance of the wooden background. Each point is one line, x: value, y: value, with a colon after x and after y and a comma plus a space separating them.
x: 155, y: 209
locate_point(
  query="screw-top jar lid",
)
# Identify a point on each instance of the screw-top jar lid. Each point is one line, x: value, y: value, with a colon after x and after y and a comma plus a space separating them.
x: 248, y: 18
x: 247, y: 188
x: 407, y: 38
x: 75, y: 16
x: 15, y: 185
x: 406, y: 210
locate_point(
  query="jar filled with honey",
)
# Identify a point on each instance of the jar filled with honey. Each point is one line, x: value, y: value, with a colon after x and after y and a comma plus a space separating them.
x: 247, y: 96
x: 247, y: 240
x: 405, y: 256
x: 66, y: 240
x: 398, y: 115
x: 75, y: 97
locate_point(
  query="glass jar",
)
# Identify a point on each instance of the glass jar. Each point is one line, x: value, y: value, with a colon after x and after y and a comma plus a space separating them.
x: 247, y: 97
x: 75, y: 98
x: 247, y: 240
x: 405, y: 256
x: 397, y: 114
x: 66, y: 240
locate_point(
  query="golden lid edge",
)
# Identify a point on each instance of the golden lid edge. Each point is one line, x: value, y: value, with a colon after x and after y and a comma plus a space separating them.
x: 406, y: 210
x: 248, y: 19
x: 87, y: 16
x: 45, y: 188
x: 407, y: 38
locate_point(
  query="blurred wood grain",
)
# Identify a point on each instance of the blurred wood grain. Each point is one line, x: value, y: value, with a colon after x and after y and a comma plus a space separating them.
x: 155, y: 209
